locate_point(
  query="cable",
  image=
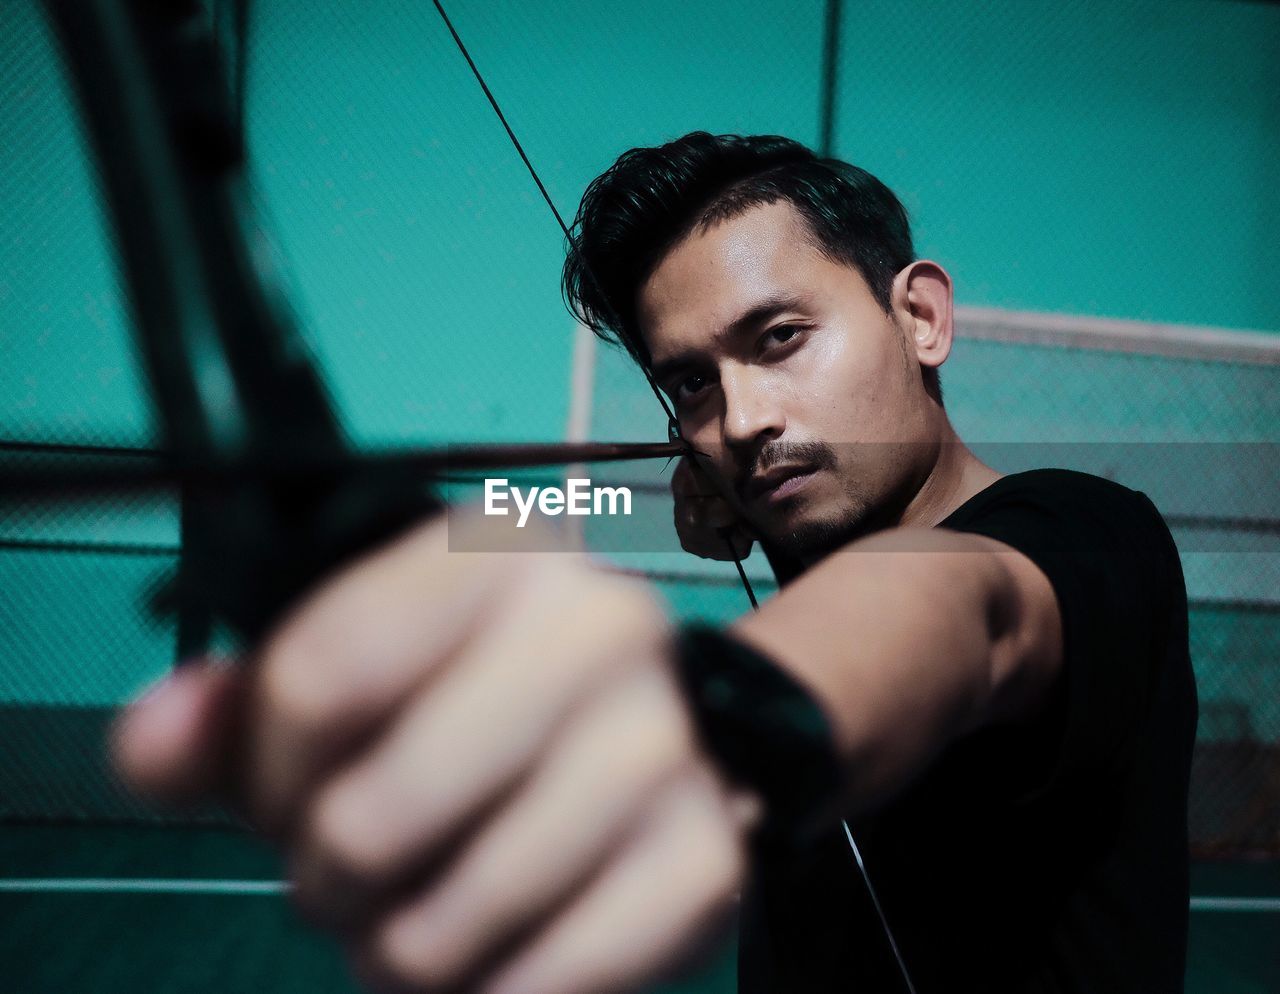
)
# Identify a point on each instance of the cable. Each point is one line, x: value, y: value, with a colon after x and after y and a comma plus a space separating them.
x: 875, y: 901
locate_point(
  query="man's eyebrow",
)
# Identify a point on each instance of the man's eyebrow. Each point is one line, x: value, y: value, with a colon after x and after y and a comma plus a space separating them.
x: 757, y: 314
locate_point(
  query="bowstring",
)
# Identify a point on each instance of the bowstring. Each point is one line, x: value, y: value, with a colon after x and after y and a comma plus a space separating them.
x: 673, y: 426
x: 673, y: 423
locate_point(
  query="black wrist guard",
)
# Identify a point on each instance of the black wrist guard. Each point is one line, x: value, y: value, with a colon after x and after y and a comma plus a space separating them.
x: 764, y: 729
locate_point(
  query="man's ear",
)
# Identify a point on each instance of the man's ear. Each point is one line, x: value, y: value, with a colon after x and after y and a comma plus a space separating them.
x: 921, y: 300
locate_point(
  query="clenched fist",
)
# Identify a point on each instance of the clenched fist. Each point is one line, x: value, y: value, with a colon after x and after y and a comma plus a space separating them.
x: 708, y: 525
x: 479, y: 766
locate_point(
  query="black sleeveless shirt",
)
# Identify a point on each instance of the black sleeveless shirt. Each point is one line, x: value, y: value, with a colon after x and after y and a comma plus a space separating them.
x: 1048, y: 857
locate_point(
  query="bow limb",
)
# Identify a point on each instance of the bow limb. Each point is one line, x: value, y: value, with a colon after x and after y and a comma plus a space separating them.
x: 227, y: 368
x: 272, y: 496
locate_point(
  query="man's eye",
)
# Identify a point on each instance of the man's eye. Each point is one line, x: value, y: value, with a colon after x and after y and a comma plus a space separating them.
x: 690, y: 386
x: 781, y: 335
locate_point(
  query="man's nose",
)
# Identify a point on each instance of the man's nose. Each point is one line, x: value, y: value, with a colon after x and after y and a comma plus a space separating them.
x: 753, y: 411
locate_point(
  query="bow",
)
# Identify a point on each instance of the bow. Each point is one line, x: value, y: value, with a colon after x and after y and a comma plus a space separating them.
x: 273, y: 498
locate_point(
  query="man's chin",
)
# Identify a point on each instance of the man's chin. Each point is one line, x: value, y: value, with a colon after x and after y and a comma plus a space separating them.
x: 812, y: 539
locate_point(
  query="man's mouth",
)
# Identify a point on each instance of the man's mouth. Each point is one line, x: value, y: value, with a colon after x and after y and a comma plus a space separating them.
x: 778, y: 483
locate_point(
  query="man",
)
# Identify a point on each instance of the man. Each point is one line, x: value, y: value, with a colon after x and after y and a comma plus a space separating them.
x: 502, y: 773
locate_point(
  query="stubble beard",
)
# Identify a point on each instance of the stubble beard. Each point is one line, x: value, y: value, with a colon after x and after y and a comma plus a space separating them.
x: 811, y: 540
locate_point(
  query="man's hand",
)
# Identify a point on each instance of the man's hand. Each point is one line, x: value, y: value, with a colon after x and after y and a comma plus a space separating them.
x: 480, y: 768
x: 707, y: 524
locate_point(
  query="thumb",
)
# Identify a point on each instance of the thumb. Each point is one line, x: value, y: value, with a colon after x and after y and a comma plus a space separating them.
x: 174, y: 742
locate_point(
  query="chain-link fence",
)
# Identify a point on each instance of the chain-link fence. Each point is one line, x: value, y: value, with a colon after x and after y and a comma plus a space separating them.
x: 76, y: 576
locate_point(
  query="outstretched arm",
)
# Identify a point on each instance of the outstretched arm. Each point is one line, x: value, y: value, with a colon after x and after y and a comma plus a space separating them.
x: 909, y: 639
x: 482, y: 770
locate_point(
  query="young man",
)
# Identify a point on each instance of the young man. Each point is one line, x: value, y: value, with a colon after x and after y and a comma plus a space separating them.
x: 503, y: 773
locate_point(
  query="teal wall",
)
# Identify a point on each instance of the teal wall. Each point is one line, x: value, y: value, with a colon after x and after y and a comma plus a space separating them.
x: 1111, y: 159
x: 1103, y: 159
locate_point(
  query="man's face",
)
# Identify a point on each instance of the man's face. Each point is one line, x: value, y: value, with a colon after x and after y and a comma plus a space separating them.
x: 786, y: 372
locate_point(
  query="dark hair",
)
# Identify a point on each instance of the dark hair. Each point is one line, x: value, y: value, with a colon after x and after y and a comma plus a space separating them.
x: 650, y: 198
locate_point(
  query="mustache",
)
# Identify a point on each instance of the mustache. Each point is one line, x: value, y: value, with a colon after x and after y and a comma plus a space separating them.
x: 812, y: 455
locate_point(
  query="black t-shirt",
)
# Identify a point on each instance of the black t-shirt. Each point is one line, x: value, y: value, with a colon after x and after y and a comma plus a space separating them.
x: 1045, y: 857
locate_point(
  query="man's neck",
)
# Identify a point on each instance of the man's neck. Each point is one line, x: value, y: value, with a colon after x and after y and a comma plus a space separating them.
x: 956, y: 476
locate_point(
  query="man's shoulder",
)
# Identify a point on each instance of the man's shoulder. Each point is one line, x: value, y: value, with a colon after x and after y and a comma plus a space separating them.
x: 1056, y: 492
x: 1053, y: 480
x: 1075, y: 526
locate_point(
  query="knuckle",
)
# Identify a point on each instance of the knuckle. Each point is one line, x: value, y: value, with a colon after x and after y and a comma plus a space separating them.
x: 628, y: 615
x: 672, y: 741
x: 683, y: 517
x: 691, y: 540
x: 659, y: 738
x: 720, y: 515
x: 688, y: 508
x: 673, y: 730
x: 717, y: 849
x: 636, y: 609
x: 403, y: 957
x: 341, y: 835
x: 724, y: 859
x: 288, y: 688
x: 732, y: 868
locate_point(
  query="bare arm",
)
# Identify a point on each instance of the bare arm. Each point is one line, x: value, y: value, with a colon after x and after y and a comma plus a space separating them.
x: 911, y: 638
